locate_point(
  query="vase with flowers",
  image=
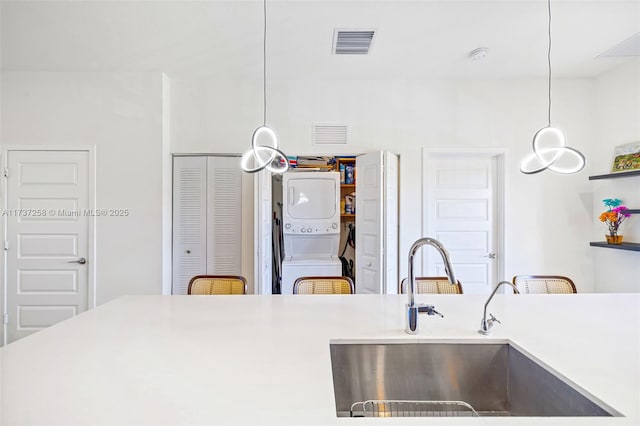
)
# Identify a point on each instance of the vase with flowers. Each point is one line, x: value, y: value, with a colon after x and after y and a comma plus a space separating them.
x: 613, y: 217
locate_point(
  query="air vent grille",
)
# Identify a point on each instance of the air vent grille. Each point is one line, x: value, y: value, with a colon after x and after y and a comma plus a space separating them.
x: 330, y: 134
x: 353, y: 42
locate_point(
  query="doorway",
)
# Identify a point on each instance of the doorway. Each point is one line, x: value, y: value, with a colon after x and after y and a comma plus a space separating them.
x: 377, y: 180
x: 463, y: 204
x: 49, y: 221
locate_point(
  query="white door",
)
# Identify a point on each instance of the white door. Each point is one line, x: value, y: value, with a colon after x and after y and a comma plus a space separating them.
x: 224, y: 216
x: 207, y: 220
x: 48, y: 224
x: 189, y: 220
x: 460, y: 211
x: 264, y: 255
x: 390, y: 172
x: 376, y: 222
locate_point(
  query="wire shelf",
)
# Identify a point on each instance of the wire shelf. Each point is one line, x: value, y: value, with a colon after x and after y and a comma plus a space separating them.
x: 401, y: 408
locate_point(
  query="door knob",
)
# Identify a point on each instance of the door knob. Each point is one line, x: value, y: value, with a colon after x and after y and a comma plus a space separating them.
x: 490, y: 255
x: 81, y: 261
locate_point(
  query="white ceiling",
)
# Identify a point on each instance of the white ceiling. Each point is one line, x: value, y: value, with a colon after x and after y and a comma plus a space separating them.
x: 223, y: 39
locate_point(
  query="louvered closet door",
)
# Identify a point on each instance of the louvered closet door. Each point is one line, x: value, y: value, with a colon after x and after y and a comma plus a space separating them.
x: 224, y: 216
x: 207, y: 218
x: 189, y: 220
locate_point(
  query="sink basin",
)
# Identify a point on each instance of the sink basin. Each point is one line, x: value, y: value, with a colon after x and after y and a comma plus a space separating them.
x: 495, y: 379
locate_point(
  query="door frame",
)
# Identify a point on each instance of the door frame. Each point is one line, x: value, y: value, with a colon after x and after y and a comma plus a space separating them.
x: 501, y: 156
x: 91, y: 232
x: 261, y: 287
x: 262, y: 182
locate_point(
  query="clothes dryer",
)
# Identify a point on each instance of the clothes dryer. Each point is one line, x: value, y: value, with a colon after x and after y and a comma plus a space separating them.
x: 311, y: 225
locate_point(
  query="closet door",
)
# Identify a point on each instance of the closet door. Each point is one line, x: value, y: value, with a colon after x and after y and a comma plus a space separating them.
x: 369, y: 224
x: 207, y: 218
x: 224, y: 216
x: 390, y: 242
x: 189, y: 220
x: 377, y: 223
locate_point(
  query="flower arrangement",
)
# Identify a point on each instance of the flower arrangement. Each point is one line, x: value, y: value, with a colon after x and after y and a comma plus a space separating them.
x: 615, y: 215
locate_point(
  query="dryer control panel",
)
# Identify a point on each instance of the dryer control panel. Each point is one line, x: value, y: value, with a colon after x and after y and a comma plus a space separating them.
x: 312, y: 228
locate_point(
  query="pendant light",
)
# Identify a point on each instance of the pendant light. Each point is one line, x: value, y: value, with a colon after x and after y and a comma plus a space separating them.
x: 265, y: 155
x: 546, y: 154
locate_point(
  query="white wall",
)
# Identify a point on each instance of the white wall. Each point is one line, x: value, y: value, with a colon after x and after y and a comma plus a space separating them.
x: 167, y: 189
x: 548, y: 216
x: 617, y: 101
x: 121, y: 114
x: 197, y: 112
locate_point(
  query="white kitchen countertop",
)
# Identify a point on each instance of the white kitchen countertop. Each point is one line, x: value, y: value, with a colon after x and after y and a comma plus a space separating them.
x: 169, y: 360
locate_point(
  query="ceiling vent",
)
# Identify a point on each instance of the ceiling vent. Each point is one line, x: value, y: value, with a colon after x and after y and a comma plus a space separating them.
x: 330, y: 134
x: 352, y: 42
x: 628, y: 47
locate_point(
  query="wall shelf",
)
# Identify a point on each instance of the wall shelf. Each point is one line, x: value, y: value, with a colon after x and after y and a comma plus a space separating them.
x: 623, y: 246
x: 312, y: 166
x: 346, y: 188
x: 615, y: 175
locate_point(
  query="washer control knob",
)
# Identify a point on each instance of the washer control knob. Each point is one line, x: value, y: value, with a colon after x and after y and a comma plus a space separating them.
x: 303, y: 230
x: 288, y: 226
x: 334, y: 225
x: 308, y: 229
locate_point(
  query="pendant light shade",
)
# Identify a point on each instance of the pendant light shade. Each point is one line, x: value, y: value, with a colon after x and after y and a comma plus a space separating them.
x: 264, y: 152
x: 548, y: 155
x: 266, y: 156
x: 549, y: 143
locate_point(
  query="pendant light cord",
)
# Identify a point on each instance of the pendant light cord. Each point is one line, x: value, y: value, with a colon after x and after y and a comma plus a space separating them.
x: 264, y: 157
x: 549, y: 61
x: 264, y: 66
x: 546, y: 158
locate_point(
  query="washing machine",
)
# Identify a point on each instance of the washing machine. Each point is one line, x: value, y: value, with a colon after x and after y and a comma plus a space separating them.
x: 311, y: 225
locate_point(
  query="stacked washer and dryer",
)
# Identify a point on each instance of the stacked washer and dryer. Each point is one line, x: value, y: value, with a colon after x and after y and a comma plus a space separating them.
x: 311, y: 225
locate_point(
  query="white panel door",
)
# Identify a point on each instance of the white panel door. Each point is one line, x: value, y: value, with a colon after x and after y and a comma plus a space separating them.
x: 369, y: 224
x: 461, y: 213
x: 390, y: 241
x: 224, y: 212
x: 189, y: 220
x: 48, y: 238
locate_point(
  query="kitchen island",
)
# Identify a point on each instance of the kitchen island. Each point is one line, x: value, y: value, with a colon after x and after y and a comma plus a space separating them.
x: 179, y: 360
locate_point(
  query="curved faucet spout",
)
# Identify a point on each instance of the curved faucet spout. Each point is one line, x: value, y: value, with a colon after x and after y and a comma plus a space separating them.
x: 412, y: 309
x: 448, y: 269
x: 486, y: 324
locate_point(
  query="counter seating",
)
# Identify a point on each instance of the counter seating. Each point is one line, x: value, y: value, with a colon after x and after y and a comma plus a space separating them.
x: 544, y: 284
x: 217, y: 284
x: 432, y: 285
x: 323, y: 285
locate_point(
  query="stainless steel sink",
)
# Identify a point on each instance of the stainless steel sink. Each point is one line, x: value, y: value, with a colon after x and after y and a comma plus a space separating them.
x: 494, y: 378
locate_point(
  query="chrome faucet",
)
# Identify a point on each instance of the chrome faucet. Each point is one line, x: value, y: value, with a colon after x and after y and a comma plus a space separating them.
x: 412, y: 308
x: 486, y: 324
